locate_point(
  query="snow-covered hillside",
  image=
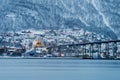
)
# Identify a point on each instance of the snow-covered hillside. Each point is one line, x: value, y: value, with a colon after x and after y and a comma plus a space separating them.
x: 99, y: 16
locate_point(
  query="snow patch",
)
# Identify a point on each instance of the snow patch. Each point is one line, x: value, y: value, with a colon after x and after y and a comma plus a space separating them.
x: 76, y: 17
x: 83, y: 21
x: 103, y: 16
x: 11, y: 15
x: 65, y: 5
x: 72, y: 10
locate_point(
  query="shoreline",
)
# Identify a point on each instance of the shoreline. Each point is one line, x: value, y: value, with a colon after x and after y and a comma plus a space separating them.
x: 70, y: 58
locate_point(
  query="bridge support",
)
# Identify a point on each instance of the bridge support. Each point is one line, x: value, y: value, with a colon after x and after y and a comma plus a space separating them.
x: 103, y: 49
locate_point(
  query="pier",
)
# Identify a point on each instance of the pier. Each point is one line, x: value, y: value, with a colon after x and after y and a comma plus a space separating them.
x: 91, y: 50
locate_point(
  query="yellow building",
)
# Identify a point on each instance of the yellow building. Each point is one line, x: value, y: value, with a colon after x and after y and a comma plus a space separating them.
x: 38, y: 43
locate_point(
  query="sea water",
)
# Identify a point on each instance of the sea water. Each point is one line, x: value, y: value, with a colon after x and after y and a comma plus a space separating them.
x: 59, y: 69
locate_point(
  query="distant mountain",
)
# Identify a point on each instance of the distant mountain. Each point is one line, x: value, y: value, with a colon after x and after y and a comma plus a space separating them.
x: 99, y: 16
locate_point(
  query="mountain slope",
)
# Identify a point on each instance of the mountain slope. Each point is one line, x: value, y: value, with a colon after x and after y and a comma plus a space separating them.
x: 100, y: 16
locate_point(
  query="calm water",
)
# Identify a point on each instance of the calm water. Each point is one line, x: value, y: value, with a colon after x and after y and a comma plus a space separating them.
x: 59, y: 69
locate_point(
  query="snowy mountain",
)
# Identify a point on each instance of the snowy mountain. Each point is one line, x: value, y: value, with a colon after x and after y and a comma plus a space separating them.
x: 99, y: 16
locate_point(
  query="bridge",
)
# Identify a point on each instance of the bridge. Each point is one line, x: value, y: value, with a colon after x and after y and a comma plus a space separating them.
x: 91, y: 50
